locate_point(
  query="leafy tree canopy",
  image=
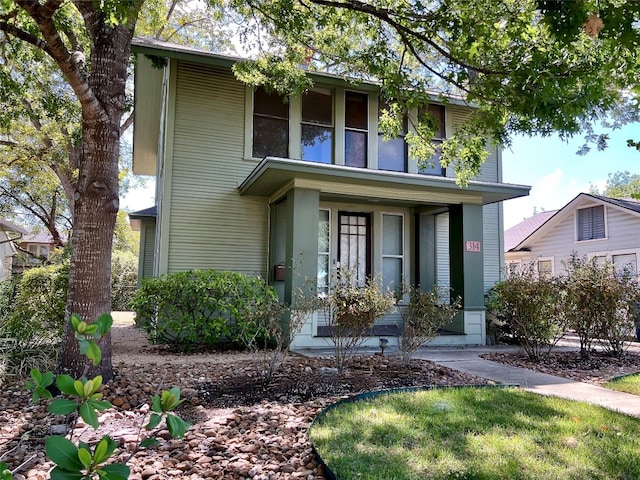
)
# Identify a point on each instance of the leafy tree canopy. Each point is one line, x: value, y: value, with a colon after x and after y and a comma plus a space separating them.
x: 621, y: 185
x: 535, y: 67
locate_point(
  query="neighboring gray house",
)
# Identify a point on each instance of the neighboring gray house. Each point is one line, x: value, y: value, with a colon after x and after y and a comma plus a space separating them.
x: 9, y: 234
x: 590, y: 225
x: 251, y: 183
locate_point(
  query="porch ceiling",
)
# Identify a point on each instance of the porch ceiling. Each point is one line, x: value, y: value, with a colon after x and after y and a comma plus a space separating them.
x: 274, y: 177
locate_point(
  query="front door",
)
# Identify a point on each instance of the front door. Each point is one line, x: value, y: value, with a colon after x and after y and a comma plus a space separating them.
x: 354, y: 245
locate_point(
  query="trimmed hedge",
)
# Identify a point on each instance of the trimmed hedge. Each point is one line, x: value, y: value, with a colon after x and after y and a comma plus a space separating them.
x: 202, y: 309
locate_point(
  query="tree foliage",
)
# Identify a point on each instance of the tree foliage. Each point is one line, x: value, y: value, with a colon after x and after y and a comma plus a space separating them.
x: 530, y: 67
x: 622, y: 185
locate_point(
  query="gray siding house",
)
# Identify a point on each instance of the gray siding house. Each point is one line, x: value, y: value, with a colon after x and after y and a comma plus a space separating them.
x: 590, y: 225
x: 296, y: 190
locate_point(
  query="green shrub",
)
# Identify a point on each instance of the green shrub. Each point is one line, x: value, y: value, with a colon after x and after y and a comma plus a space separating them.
x: 124, y: 279
x: 531, y: 307
x: 201, y: 309
x: 600, y: 304
x: 37, y: 315
x: 351, y: 310
x: 425, y: 313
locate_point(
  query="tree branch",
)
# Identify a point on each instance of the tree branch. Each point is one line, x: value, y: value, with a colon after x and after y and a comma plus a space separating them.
x: 386, y: 16
x: 57, y: 50
x: 127, y: 123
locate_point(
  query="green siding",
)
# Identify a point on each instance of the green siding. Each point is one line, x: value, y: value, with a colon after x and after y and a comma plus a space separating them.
x: 149, y: 245
x: 489, y: 171
x: 491, y: 245
x: 211, y: 225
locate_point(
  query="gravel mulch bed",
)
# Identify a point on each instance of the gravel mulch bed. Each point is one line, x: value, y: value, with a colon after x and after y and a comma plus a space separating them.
x: 241, y: 429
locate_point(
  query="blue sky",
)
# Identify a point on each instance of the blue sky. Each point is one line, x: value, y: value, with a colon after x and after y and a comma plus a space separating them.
x: 549, y: 165
x: 556, y: 173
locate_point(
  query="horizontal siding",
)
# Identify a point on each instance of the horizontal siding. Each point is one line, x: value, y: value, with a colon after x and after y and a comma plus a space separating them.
x: 491, y: 244
x: 623, y: 234
x: 212, y: 226
x: 149, y: 249
x: 458, y: 115
x: 443, y: 267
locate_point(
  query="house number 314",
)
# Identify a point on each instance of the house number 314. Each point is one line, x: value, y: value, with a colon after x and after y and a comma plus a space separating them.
x: 473, y: 246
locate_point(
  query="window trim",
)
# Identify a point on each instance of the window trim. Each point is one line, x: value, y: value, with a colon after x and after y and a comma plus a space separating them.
x: 546, y: 259
x: 270, y: 117
x: 576, y: 225
x: 403, y: 240
x: 329, y: 251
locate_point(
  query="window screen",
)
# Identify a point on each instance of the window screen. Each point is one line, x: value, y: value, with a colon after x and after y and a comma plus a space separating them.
x: 591, y: 223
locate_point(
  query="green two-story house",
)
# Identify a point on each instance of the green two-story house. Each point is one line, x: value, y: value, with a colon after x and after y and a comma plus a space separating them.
x: 296, y: 190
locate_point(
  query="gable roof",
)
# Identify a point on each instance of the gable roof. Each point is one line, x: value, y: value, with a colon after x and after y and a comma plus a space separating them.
x: 10, y: 227
x: 516, y: 234
x: 582, y: 199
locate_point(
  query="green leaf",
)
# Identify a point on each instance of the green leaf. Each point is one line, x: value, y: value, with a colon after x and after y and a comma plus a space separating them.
x: 60, y: 474
x: 177, y: 426
x: 116, y: 471
x: 153, y: 421
x: 62, y: 406
x: 89, y: 415
x: 156, y: 404
x: 104, y: 449
x: 63, y: 453
x: 85, y: 457
x: 36, y: 375
x: 148, y: 442
x: 104, y: 322
x: 93, y: 352
x: 99, y: 404
x: 78, y: 386
x: 84, y: 345
x: 90, y: 329
x: 5, y: 473
x: 75, y: 321
x: 65, y: 384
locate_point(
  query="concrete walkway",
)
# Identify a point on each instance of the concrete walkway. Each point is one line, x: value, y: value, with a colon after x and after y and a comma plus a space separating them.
x: 466, y: 359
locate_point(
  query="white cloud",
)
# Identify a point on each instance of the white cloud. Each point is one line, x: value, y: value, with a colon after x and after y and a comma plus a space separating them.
x: 550, y: 192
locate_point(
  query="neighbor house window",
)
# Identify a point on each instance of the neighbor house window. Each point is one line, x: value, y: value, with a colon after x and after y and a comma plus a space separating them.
x: 625, y: 263
x: 392, y: 252
x: 437, y: 115
x: 545, y: 268
x: 270, y: 125
x: 317, y: 126
x: 590, y: 223
x: 323, y: 252
x: 392, y: 153
x: 356, y: 113
x: 513, y: 268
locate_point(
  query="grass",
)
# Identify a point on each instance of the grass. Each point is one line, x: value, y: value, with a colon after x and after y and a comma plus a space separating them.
x: 477, y: 434
x: 628, y: 383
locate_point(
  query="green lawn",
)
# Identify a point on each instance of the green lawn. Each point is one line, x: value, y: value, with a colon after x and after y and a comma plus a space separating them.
x: 477, y: 434
x: 628, y: 383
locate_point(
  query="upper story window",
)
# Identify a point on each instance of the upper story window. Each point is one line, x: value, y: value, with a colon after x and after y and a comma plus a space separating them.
x: 356, y: 113
x: 270, y: 125
x: 317, y: 126
x: 590, y: 223
x: 438, y: 116
x: 392, y: 153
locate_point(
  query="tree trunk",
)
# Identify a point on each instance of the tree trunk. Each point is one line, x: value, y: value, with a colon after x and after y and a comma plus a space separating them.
x: 96, y: 200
